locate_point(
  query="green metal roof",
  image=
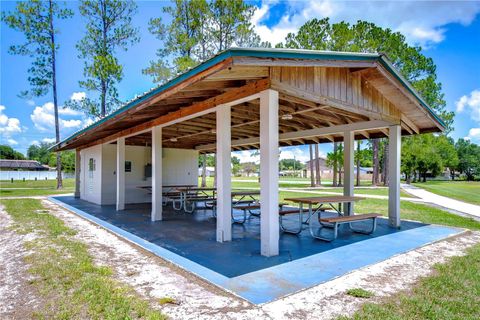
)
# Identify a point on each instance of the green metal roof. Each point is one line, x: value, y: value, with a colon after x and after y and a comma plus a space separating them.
x: 262, y: 53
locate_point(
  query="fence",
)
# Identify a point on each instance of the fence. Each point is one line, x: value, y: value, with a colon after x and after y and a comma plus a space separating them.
x: 33, y: 175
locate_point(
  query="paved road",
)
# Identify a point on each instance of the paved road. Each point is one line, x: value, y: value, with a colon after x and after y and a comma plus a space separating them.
x: 445, y: 202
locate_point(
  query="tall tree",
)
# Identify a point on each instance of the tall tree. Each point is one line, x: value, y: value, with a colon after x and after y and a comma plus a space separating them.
x: 312, y: 174
x: 196, y: 31
x: 468, y: 158
x: 318, y: 180
x: 204, y: 170
x: 109, y: 28
x: 334, y: 164
x: 37, y: 21
x: 376, y: 162
x: 7, y: 152
x: 358, y: 157
x: 184, y: 38
x: 335, y: 160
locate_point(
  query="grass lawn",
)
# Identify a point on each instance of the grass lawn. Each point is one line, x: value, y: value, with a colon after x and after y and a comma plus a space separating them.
x: 452, y: 292
x: 409, y: 211
x: 468, y: 191
x: 34, y: 188
x: 65, y: 273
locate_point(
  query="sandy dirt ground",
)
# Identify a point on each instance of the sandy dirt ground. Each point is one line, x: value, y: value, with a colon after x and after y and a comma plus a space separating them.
x: 18, y: 298
x: 154, y: 278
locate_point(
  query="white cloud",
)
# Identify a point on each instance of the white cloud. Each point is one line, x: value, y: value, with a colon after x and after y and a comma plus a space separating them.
x: 470, y: 102
x: 474, y: 135
x: 421, y: 22
x: 77, y: 96
x: 44, y: 119
x: 302, y: 154
x: 8, y: 126
x: 246, y: 156
x: 48, y: 140
x: 30, y: 102
x: 12, y: 142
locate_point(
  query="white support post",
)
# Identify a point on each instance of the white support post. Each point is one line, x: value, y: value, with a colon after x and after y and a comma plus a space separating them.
x: 269, y: 224
x: 223, y: 174
x: 78, y: 164
x: 120, y: 174
x: 348, y: 168
x: 156, y: 174
x: 394, y: 149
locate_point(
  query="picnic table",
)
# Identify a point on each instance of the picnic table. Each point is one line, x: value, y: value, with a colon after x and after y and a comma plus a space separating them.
x: 168, y: 191
x: 318, y: 205
x: 193, y: 195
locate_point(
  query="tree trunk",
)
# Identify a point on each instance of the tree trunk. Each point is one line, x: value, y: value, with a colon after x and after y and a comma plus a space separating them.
x: 103, y: 94
x: 312, y: 176
x: 358, y: 163
x: 215, y: 172
x: 376, y: 162
x: 317, y: 167
x: 408, y: 178
x: 424, y: 176
x: 385, y: 164
x: 55, y: 100
x: 335, y: 151
x: 204, y: 171
x: 340, y: 177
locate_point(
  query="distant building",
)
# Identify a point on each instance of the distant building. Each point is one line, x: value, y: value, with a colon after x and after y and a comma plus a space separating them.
x: 325, y: 171
x: 21, y: 165
x: 209, y: 171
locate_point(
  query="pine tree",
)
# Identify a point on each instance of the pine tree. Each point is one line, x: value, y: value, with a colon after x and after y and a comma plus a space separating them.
x: 37, y: 21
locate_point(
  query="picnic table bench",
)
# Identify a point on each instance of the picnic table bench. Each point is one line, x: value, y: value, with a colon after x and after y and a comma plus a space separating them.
x: 336, y: 221
x: 324, y: 203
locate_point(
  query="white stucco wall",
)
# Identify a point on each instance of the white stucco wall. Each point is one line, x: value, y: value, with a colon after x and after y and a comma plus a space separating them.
x: 179, y: 167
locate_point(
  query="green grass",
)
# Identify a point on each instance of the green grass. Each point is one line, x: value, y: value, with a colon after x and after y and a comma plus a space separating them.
x: 360, y: 293
x: 453, y: 292
x: 34, y: 188
x: 468, y: 191
x: 238, y: 183
x: 65, y: 273
x: 409, y: 211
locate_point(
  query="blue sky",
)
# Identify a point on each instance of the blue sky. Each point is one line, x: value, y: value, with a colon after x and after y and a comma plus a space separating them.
x: 449, y: 32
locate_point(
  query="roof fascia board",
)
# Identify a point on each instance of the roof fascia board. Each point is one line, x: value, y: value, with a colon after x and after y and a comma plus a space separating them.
x: 392, y: 70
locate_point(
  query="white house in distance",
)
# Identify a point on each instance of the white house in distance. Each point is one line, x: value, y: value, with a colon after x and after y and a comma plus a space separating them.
x: 248, y: 99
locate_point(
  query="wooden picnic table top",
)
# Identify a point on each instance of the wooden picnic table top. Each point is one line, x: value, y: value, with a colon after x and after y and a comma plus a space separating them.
x: 170, y: 186
x: 180, y: 186
x: 183, y: 189
x: 327, y: 199
x: 245, y: 193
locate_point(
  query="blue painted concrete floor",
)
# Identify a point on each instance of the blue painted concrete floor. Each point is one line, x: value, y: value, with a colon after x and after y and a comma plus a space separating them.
x: 237, y: 266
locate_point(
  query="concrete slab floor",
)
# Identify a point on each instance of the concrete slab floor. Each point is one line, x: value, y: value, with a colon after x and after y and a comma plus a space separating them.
x: 188, y: 240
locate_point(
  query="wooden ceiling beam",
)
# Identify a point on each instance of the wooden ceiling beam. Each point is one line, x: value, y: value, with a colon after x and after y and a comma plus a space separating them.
x: 227, y: 97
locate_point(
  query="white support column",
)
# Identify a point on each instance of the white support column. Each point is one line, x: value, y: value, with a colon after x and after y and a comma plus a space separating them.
x: 269, y: 173
x: 156, y: 174
x: 394, y: 149
x: 120, y: 174
x: 223, y: 174
x: 78, y: 165
x: 348, y: 168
